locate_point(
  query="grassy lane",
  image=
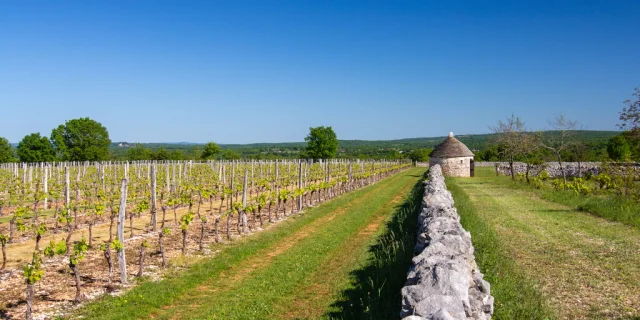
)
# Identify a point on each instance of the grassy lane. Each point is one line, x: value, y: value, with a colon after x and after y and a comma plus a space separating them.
x: 584, y: 266
x: 313, y: 298
x: 249, y: 278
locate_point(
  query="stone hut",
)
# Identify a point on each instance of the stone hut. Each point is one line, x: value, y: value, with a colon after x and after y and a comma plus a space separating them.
x: 454, y: 157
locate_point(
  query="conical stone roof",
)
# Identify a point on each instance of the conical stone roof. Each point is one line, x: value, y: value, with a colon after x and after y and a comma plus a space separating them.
x: 451, y: 148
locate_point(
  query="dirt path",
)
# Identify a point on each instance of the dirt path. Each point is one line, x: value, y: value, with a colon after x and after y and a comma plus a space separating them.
x: 586, y: 266
x: 19, y: 253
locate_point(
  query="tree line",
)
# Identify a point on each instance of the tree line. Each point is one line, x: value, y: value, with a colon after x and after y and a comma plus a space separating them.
x: 513, y: 142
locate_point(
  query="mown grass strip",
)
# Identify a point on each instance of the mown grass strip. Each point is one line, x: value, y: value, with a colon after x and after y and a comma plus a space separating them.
x: 363, y: 264
x: 585, y: 266
x: 259, y: 295
x: 374, y: 291
x: 516, y: 296
x: 609, y: 206
x: 150, y: 297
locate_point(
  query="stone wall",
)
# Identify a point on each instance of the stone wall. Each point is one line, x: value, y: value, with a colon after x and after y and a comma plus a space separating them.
x: 454, y: 167
x: 486, y: 164
x: 571, y: 169
x: 444, y: 281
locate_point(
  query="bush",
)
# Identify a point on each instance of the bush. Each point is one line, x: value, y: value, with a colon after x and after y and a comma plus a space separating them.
x: 605, y: 181
x: 537, y: 183
x: 544, y: 175
x: 558, y: 184
x: 578, y: 186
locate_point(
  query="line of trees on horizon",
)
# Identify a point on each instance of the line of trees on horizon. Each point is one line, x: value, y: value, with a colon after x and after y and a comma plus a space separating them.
x: 85, y: 139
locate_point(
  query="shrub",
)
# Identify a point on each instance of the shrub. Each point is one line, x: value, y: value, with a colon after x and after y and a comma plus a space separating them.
x: 544, y: 175
x: 537, y: 182
x: 605, y: 181
x: 558, y: 184
x: 578, y: 186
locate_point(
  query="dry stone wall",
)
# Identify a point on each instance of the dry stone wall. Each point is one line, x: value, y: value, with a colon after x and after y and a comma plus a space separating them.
x: 571, y: 169
x: 444, y: 281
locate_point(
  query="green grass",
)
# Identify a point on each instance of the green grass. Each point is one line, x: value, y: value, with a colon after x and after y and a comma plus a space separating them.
x: 254, y: 277
x: 516, y: 296
x: 538, y: 252
x: 606, y: 205
x: 375, y: 289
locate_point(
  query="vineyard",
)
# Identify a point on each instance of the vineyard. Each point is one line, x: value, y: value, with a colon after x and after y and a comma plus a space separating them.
x: 72, y: 231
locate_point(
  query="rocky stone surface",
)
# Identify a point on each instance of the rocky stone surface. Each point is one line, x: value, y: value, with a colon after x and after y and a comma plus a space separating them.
x: 444, y: 281
x: 571, y: 169
x: 453, y: 167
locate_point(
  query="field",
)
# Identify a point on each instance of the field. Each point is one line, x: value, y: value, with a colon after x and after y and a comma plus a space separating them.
x: 331, y: 240
x: 197, y: 205
x: 303, y: 268
x: 545, y: 259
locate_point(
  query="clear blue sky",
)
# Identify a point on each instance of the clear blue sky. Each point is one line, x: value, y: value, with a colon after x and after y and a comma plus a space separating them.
x: 265, y: 71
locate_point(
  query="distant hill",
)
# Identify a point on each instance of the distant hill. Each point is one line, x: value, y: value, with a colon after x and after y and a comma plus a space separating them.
x: 473, y: 141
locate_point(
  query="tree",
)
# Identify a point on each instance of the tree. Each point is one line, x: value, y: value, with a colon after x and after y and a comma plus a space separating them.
x: 322, y: 143
x: 139, y: 152
x: 210, y: 150
x: 490, y: 153
x: 230, y: 155
x: 160, y: 154
x: 176, y: 155
x: 618, y: 148
x: 579, y: 152
x: 6, y: 153
x: 561, y: 140
x: 81, y: 139
x: 509, y: 137
x: 419, y: 155
x: 630, y: 115
x: 35, y: 148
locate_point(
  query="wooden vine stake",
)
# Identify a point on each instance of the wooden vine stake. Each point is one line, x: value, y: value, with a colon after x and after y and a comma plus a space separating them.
x: 121, y: 215
x: 244, y: 202
x: 153, y: 198
x: 300, y: 187
x: 66, y: 187
x: 45, y: 177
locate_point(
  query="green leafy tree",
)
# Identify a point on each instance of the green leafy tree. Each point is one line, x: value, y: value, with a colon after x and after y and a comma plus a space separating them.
x: 322, y: 143
x: 419, y: 155
x: 176, y: 155
x: 160, y: 154
x: 81, y: 139
x: 139, y: 152
x: 6, y: 153
x: 618, y: 148
x: 230, y: 155
x: 36, y: 148
x: 210, y: 150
